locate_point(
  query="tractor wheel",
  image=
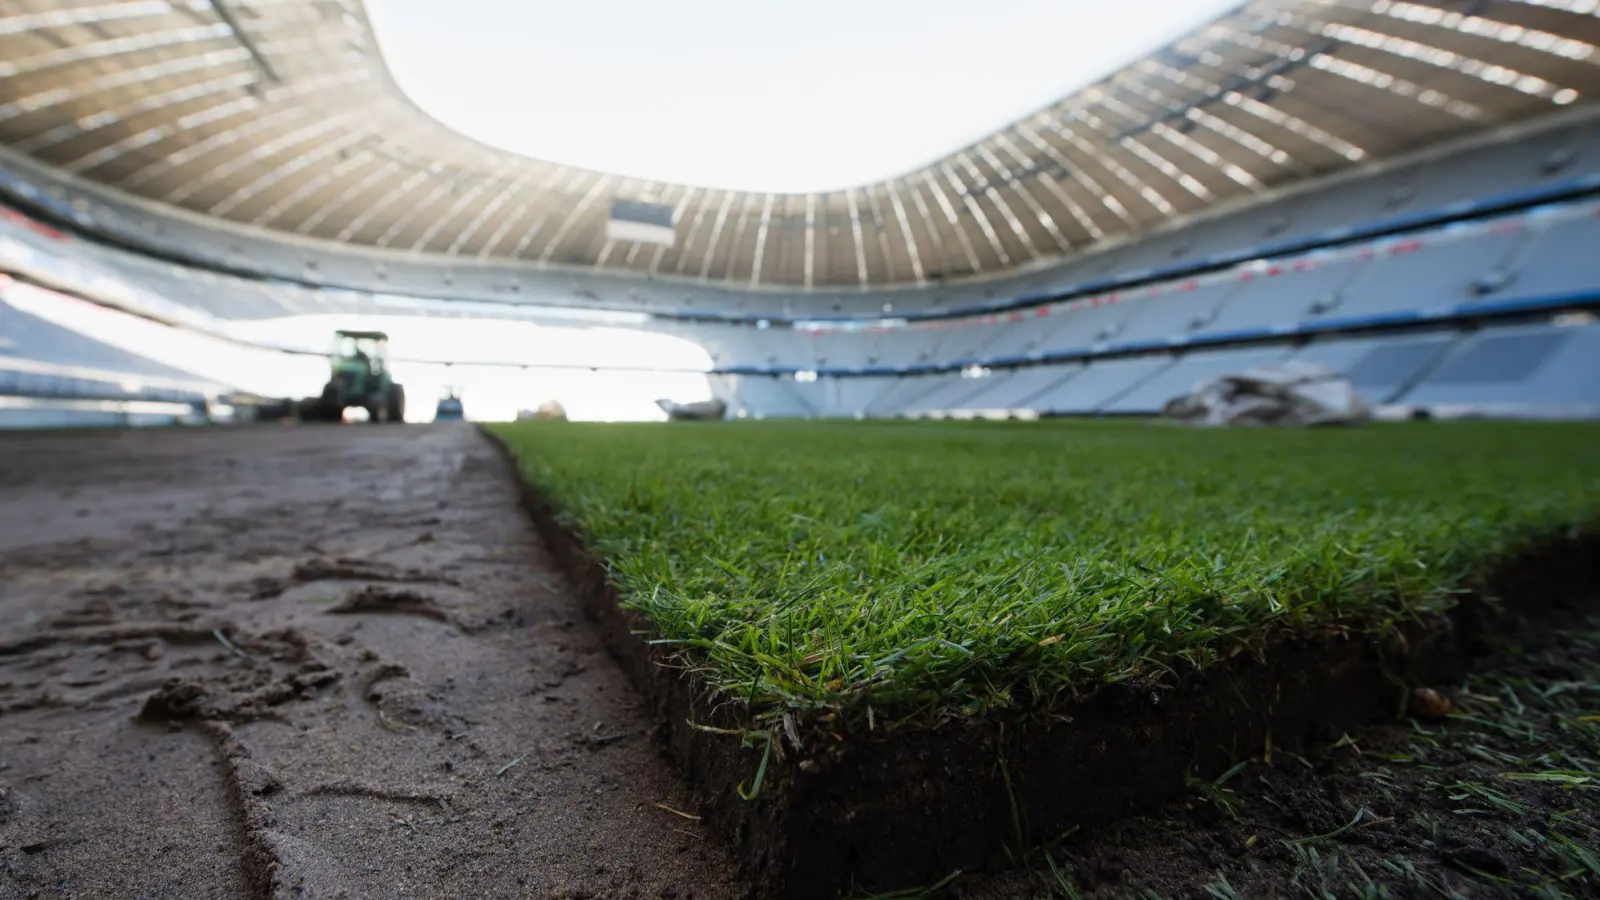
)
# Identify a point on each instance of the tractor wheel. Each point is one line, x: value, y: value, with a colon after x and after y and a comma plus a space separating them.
x: 313, y: 409
x: 330, y: 412
x: 324, y: 408
x: 397, y: 404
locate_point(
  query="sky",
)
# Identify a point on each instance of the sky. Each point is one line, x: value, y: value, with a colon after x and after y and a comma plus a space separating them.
x: 762, y: 95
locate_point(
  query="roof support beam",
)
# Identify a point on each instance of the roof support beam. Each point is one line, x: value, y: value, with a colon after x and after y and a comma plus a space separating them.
x: 225, y: 13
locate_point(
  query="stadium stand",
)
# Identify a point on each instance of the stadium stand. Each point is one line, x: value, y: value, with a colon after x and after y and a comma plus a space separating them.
x: 1278, y: 295
x: 47, y: 342
x: 1176, y: 310
x: 898, y: 396
x: 53, y: 376
x: 1544, y: 370
x: 1100, y: 384
x: 1186, y: 371
x: 1559, y: 257
x: 1523, y: 259
x: 764, y: 396
x: 1381, y: 368
x: 1433, y: 243
x: 946, y: 393
x: 1440, y: 271
x: 1474, y: 264
x: 1023, y: 388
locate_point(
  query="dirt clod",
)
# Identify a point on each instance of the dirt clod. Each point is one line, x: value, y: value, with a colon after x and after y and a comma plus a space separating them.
x: 375, y: 599
x: 1427, y: 703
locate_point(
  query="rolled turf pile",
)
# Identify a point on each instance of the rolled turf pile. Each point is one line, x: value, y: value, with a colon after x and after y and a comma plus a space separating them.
x: 928, y: 570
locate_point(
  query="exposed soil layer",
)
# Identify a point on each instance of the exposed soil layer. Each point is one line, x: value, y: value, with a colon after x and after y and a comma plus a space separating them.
x: 311, y: 662
x: 1499, y: 797
x: 877, y: 805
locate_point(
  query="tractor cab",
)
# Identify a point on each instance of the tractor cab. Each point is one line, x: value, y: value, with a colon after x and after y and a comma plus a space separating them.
x: 359, y: 376
x: 360, y: 355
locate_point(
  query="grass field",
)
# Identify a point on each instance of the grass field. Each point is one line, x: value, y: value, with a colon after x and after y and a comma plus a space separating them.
x: 956, y: 567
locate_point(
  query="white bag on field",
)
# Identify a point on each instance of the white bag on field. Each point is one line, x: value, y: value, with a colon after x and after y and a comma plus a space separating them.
x: 1292, y: 393
x: 701, y: 409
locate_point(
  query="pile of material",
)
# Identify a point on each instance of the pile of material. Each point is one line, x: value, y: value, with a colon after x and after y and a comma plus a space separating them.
x: 548, y: 411
x: 1293, y: 393
x: 701, y: 409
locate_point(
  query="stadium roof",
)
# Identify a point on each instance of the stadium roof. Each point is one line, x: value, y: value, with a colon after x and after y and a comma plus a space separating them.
x: 281, y: 114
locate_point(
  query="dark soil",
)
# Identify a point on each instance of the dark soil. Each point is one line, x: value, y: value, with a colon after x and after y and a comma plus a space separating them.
x: 1500, y: 798
x: 841, y: 806
x: 311, y: 662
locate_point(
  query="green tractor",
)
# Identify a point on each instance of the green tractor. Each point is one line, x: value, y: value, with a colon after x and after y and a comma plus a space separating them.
x: 360, y: 377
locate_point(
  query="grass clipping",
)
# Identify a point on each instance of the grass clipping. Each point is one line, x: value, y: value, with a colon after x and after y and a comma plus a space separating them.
x: 951, y: 568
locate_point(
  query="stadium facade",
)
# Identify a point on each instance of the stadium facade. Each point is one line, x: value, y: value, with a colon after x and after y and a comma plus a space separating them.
x: 1408, y: 192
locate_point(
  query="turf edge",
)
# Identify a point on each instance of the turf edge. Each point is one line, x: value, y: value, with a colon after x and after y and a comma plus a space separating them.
x: 841, y: 807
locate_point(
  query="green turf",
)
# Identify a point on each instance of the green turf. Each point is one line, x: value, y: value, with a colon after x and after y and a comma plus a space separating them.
x: 960, y: 566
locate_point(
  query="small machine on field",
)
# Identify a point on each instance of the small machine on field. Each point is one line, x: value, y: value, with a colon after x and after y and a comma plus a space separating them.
x: 359, y: 377
x: 450, y: 408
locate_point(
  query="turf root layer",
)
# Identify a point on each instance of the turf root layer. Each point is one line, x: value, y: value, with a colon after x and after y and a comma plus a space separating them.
x: 843, y: 807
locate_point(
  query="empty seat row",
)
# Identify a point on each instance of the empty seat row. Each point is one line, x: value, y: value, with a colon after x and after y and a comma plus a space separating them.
x: 26, y: 336
x: 1546, y: 368
x: 1544, y: 256
x: 15, y: 383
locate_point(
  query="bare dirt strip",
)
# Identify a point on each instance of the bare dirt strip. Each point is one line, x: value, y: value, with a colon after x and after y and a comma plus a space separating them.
x: 312, y: 662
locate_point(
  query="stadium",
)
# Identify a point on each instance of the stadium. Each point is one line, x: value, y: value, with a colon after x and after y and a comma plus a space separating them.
x: 948, y: 598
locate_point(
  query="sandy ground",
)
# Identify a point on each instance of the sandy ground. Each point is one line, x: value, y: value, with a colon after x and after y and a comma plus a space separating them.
x: 311, y: 662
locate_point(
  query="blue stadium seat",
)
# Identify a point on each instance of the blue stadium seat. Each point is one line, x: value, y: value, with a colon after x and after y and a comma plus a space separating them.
x: 1532, y: 367
x: 1559, y: 257
x: 1099, y: 385
x: 1427, y: 275
x: 1177, y: 311
x: 851, y: 397
x: 949, y: 392
x: 897, y: 398
x: 30, y: 337
x: 1017, y: 389
x: 1280, y: 296
x: 1382, y: 367
x: 762, y: 396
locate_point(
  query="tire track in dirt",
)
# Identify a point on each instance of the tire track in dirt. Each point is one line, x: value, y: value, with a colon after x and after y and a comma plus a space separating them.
x: 311, y: 662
